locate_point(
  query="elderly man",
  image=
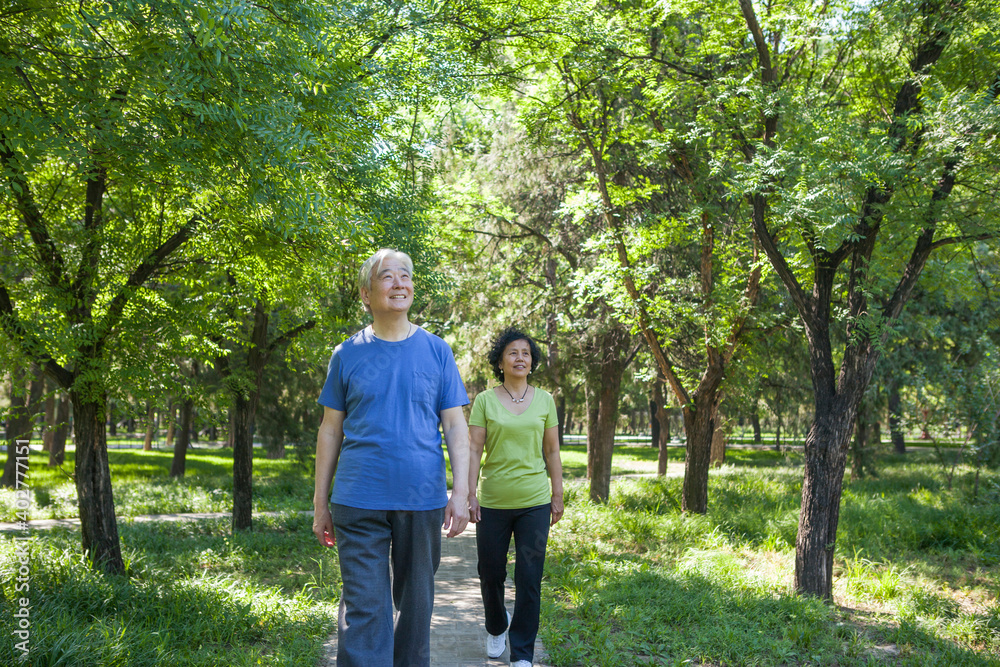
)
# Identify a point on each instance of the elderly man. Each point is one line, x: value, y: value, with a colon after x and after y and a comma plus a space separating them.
x: 388, y: 388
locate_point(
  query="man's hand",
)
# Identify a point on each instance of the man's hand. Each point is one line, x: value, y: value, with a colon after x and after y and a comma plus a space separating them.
x: 456, y: 515
x: 323, y: 528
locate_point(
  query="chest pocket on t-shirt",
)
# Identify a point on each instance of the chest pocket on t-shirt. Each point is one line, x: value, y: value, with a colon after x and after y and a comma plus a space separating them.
x: 425, y: 388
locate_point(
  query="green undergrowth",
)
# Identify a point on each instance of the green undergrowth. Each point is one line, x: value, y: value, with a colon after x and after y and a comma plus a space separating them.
x: 630, y: 582
x: 195, y: 594
x: 142, y: 485
x: 635, y: 582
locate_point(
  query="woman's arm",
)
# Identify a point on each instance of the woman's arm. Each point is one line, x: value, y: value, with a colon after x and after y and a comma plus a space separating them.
x: 477, y: 442
x: 553, y: 463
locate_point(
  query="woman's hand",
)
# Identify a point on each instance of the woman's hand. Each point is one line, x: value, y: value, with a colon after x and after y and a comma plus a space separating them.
x: 475, y: 514
x: 557, y: 509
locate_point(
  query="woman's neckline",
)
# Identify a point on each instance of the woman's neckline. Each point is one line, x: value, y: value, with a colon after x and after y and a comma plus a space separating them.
x: 527, y: 406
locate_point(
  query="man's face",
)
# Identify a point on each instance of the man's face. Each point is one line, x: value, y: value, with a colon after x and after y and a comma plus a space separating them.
x: 392, y: 288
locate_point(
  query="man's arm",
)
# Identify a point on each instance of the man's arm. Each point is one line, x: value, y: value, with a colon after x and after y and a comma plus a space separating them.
x: 328, y: 441
x: 456, y: 439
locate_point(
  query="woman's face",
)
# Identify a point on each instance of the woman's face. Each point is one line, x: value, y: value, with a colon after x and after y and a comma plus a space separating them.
x: 516, y: 359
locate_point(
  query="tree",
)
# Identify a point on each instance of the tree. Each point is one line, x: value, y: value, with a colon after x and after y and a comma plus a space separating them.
x: 183, y: 441
x: 503, y: 215
x: 678, y: 270
x: 135, y: 139
x: 859, y: 164
x: 242, y: 367
x: 26, y: 389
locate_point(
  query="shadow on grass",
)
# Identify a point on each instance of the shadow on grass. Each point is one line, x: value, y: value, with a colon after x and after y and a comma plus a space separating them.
x: 620, y: 612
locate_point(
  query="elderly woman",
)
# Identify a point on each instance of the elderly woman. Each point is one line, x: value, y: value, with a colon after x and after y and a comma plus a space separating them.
x: 518, y: 491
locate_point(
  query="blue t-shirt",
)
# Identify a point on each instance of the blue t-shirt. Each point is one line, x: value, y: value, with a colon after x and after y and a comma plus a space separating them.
x: 392, y: 393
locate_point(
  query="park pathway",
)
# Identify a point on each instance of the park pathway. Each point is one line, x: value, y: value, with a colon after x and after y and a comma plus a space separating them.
x: 458, y: 638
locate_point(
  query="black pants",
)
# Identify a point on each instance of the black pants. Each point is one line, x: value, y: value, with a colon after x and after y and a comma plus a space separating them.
x: 530, y: 528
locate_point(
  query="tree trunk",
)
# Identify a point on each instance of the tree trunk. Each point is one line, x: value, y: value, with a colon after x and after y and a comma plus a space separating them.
x: 171, y: 422
x: 826, y: 456
x: 717, y: 455
x: 183, y: 439
x: 607, y: 419
x: 554, y: 362
x: 654, y: 424
x: 590, y: 392
x: 662, y: 417
x: 777, y: 428
x: 276, y: 451
x: 25, y: 403
x: 862, y: 461
x: 50, y: 416
x: 147, y: 442
x: 699, y: 424
x: 858, y: 449
x: 245, y: 406
x: 93, y: 484
x: 561, y: 415
x: 112, y: 420
x: 718, y: 452
x: 231, y: 435
x: 611, y: 353
x: 755, y: 420
x: 57, y: 455
x: 896, y: 418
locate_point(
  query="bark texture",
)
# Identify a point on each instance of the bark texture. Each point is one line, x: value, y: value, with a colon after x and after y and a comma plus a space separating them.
x: 611, y: 351
x: 98, y: 523
x: 57, y: 450
x: 25, y: 403
x: 245, y: 408
x: 183, y: 441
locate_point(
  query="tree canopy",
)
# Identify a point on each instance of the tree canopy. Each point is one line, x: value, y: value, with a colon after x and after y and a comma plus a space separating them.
x: 735, y: 201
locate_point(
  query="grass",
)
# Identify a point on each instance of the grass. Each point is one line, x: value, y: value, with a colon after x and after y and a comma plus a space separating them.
x: 195, y: 595
x: 632, y: 582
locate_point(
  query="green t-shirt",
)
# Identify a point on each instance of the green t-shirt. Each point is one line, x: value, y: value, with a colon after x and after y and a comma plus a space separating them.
x: 513, y: 475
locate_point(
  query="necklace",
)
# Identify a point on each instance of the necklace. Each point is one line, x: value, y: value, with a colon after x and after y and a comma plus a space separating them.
x: 516, y: 400
x: 409, y: 332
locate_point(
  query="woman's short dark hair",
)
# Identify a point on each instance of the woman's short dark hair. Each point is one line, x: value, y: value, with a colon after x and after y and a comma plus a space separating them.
x: 500, y: 343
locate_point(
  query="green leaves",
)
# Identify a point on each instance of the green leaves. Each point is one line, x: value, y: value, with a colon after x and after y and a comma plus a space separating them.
x: 230, y: 113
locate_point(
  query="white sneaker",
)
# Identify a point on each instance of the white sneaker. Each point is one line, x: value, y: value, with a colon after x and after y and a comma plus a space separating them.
x: 495, y: 644
x: 520, y: 663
